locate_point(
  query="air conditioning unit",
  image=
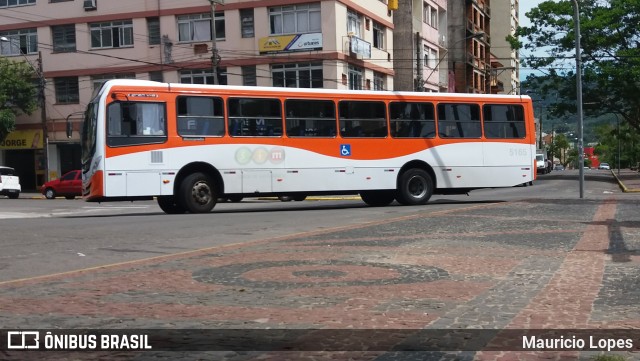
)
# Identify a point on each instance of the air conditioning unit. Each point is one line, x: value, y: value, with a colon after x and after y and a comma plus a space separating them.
x: 90, y: 5
x: 442, y: 41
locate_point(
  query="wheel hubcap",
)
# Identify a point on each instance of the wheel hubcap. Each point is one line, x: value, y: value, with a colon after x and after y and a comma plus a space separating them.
x: 201, y: 193
x: 417, y: 187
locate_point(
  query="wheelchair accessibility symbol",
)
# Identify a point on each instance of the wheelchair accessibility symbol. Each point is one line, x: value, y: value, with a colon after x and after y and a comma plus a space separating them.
x: 345, y: 150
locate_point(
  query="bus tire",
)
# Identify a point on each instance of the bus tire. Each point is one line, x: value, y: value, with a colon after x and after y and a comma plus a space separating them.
x: 415, y: 187
x: 377, y: 198
x: 169, y: 206
x: 299, y: 198
x: 235, y: 199
x: 197, y: 193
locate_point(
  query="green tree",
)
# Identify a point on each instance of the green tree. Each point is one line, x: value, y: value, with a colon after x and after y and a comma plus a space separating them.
x: 559, y: 148
x: 610, y: 54
x: 18, y: 94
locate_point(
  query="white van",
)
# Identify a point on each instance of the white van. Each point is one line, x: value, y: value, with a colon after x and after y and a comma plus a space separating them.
x: 541, y: 165
x: 9, y: 183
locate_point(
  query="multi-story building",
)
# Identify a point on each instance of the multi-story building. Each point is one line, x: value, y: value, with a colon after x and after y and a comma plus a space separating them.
x: 505, y: 22
x: 469, y: 55
x: 420, y: 45
x: 78, y: 44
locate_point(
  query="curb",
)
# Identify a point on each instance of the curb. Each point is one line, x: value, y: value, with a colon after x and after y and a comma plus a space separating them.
x: 622, y: 186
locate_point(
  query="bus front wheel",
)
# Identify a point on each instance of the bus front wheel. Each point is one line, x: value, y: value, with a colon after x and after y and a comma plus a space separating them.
x: 169, y: 206
x: 415, y: 187
x: 377, y: 198
x: 197, y: 193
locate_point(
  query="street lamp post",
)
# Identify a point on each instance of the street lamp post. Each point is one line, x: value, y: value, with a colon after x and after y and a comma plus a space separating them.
x: 618, y: 136
x: 473, y: 36
x: 43, y: 105
x: 576, y: 19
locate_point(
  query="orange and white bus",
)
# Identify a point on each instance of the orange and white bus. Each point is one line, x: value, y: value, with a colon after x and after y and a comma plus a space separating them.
x: 189, y: 145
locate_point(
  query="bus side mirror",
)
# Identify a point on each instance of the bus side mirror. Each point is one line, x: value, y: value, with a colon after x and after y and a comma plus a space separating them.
x: 69, y: 129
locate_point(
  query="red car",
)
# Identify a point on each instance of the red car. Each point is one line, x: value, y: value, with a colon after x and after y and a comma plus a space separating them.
x: 68, y: 186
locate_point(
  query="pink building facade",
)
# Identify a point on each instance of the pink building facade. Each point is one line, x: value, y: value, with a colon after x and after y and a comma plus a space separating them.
x: 79, y: 44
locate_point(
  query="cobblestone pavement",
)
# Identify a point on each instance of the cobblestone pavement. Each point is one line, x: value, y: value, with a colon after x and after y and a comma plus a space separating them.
x: 531, y: 264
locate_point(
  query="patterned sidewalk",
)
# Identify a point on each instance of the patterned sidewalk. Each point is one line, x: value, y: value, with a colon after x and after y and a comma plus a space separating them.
x: 534, y: 264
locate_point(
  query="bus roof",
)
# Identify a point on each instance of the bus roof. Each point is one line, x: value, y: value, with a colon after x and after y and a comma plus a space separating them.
x: 298, y: 91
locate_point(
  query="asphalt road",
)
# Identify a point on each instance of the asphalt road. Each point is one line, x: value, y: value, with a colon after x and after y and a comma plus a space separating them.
x: 41, y: 237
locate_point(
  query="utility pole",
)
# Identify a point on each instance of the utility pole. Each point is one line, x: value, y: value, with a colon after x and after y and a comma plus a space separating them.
x: 419, y: 80
x: 43, y: 118
x: 576, y: 20
x: 215, y: 57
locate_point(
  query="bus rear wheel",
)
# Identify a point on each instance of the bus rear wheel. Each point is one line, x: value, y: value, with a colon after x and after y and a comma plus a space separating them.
x: 197, y: 193
x: 169, y: 206
x: 415, y: 187
x: 377, y: 198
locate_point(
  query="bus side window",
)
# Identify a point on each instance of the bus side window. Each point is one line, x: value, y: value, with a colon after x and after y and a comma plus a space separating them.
x: 412, y: 120
x: 255, y: 117
x: 200, y: 116
x: 458, y: 120
x: 504, y: 121
x: 362, y: 119
x: 310, y: 118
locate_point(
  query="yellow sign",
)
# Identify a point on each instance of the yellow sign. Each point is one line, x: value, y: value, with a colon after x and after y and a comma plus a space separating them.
x: 23, y: 139
x: 289, y: 43
x: 274, y: 43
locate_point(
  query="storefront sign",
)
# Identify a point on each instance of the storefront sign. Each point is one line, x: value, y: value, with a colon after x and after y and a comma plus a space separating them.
x: 290, y: 43
x: 23, y: 139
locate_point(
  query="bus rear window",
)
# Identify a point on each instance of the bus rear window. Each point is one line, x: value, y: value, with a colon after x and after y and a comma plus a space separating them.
x: 132, y: 123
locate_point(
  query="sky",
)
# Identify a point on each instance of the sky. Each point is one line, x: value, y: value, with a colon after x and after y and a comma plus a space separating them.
x: 525, y: 6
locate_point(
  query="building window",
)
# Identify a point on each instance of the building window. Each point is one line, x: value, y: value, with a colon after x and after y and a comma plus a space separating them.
x: 153, y: 29
x: 194, y: 27
x: 430, y: 16
x: 114, y: 34
x: 430, y: 57
x: 203, y: 76
x: 249, y: 75
x: 23, y: 41
x: 246, y: 23
x: 295, y: 19
x: 12, y: 3
x: 220, y: 26
x: 378, y: 36
x: 297, y: 75
x: 67, y: 91
x: 355, y: 78
x: 353, y: 23
x: 378, y: 81
x: 156, y: 76
x: 98, y: 80
x: 64, y: 38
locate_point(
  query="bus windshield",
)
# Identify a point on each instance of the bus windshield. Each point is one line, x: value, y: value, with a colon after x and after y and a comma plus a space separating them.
x: 88, y: 137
